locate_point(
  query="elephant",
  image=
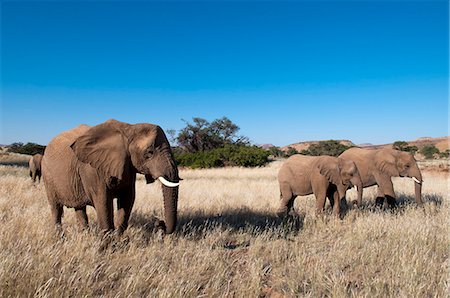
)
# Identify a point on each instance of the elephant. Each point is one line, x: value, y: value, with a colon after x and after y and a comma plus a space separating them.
x: 35, y: 167
x: 90, y: 166
x: 325, y: 176
x: 378, y: 166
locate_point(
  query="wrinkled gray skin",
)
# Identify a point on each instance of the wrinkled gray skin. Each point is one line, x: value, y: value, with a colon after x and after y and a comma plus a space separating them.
x: 377, y: 167
x: 35, y: 167
x: 93, y: 165
x: 325, y: 176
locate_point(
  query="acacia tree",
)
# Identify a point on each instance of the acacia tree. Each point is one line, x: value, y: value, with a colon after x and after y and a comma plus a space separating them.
x: 404, y: 146
x: 202, y: 135
x: 330, y: 147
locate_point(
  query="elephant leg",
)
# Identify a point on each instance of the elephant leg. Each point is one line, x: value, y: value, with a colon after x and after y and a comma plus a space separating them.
x: 320, y: 195
x: 82, y: 217
x: 330, y: 194
x: 287, y: 198
x: 386, y: 190
x: 57, y: 212
x: 104, y: 207
x: 379, y: 201
x: 125, y: 205
x: 33, y: 176
x: 337, y: 204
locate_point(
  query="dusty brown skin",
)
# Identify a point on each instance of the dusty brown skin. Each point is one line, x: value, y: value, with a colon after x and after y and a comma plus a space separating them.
x: 325, y: 176
x: 93, y: 165
x: 377, y: 167
x: 35, y: 167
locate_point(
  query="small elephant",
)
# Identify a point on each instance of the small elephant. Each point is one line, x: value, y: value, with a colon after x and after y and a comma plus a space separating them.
x: 325, y: 176
x: 378, y: 166
x: 93, y: 165
x: 35, y: 167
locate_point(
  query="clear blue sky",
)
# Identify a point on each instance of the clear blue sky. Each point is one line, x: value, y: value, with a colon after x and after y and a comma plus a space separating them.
x: 368, y: 71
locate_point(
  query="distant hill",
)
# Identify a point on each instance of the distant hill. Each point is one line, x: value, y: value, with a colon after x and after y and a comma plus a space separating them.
x: 305, y: 145
x: 441, y: 143
x: 266, y: 146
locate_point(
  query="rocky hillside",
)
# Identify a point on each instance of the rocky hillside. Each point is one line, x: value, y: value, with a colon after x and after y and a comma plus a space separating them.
x: 441, y: 143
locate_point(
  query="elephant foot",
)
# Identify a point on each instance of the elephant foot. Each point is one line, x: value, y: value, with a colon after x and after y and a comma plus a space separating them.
x: 392, y: 202
x: 379, y: 201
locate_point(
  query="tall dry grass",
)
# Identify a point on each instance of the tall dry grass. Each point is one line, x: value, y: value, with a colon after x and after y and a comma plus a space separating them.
x: 228, y: 243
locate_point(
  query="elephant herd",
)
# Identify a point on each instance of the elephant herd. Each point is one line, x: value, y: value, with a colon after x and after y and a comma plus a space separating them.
x: 93, y: 165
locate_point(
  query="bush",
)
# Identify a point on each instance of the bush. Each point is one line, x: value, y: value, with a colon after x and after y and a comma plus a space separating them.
x: 429, y: 151
x: 28, y: 148
x: 291, y: 151
x: 404, y: 146
x: 445, y: 154
x: 230, y: 155
x: 331, y: 148
x: 276, y: 152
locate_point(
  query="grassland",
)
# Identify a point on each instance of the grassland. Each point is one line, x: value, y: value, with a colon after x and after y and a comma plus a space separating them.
x: 228, y: 243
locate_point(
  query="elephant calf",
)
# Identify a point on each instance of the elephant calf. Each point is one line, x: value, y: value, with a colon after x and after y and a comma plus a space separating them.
x: 325, y: 176
x: 35, y: 167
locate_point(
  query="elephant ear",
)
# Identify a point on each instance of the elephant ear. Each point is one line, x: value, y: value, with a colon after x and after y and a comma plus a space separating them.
x: 386, y: 164
x: 104, y: 148
x: 330, y: 170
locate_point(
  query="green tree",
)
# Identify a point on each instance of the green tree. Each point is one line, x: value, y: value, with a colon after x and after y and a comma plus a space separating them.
x: 400, y: 145
x: 276, y: 152
x: 445, y: 154
x: 330, y: 147
x: 28, y: 148
x: 204, y: 144
x: 429, y: 151
x: 404, y: 146
x: 202, y: 135
x: 291, y: 151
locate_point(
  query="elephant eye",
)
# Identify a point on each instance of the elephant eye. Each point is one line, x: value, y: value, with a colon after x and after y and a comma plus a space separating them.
x: 149, y: 152
x: 407, y: 166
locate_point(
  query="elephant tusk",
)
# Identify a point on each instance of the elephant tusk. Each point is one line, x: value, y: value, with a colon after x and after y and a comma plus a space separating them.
x: 168, y: 183
x: 355, y: 187
x: 416, y: 180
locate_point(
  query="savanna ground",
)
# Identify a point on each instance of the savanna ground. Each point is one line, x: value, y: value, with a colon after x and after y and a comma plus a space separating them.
x: 228, y: 243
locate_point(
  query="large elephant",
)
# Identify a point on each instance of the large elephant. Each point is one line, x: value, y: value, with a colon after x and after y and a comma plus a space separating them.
x: 377, y: 167
x: 325, y: 176
x: 35, y: 167
x: 93, y: 165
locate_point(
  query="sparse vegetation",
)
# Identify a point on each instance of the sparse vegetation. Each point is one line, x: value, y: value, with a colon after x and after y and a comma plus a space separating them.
x: 404, y: 146
x: 202, y: 144
x: 445, y: 154
x: 291, y: 151
x: 230, y: 155
x: 429, y: 151
x: 330, y: 147
x: 28, y: 148
x: 228, y: 243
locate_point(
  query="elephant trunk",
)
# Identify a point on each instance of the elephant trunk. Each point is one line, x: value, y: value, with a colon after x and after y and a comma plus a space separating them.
x: 415, y: 174
x: 170, y: 195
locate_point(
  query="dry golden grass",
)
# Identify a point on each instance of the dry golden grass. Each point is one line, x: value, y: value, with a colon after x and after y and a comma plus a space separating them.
x: 228, y: 243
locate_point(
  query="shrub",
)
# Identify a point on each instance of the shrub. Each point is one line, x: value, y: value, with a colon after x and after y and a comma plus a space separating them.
x: 276, y: 152
x: 330, y: 147
x: 429, y: 151
x: 404, y: 146
x: 28, y: 148
x: 230, y: 155
x: 445, y: 154
x: 291, y: 151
